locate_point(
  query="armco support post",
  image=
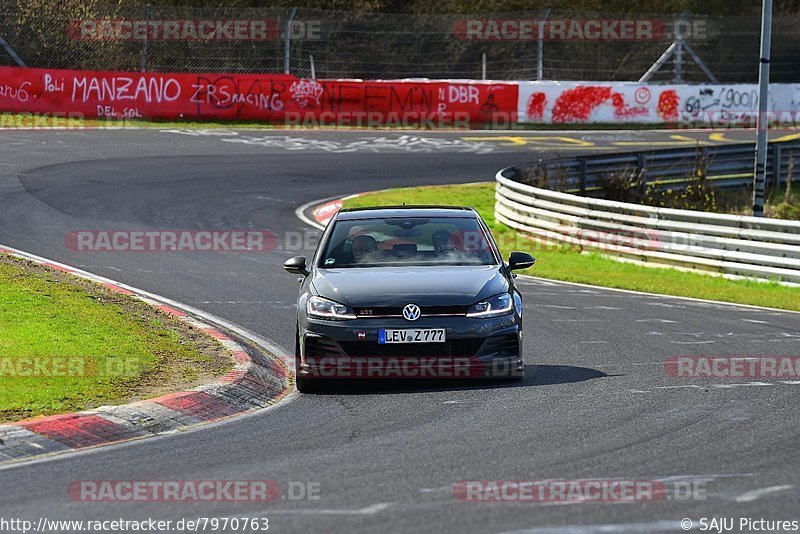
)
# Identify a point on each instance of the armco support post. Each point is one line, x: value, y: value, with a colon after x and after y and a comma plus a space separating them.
x: 582, y: 162
x: 776, y: 165
x: 641, y: 172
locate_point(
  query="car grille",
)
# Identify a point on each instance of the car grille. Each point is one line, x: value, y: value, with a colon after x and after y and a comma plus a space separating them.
x: 463, y: 348
x: 397, y: 311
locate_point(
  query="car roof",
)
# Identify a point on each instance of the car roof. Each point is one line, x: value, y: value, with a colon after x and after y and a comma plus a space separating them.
x: 385, y: 212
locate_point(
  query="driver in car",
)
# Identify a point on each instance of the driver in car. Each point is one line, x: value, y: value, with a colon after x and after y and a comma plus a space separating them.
x: 363, y: 249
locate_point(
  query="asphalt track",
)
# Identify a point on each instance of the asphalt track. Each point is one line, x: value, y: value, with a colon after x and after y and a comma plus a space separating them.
x: 596, y: 403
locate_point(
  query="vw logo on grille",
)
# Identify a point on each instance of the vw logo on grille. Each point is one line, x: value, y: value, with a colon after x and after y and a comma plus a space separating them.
x: 411, y: 312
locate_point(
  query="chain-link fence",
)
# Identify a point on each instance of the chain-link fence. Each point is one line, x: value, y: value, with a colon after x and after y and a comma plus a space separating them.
x: 328, y: 44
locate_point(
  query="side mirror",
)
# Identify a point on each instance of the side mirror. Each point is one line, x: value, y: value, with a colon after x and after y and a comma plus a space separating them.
x: 520, y: 260
x: 296, y: 265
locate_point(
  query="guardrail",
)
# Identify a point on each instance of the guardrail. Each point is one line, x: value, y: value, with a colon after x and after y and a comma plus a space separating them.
x: 725, y: 166
x: 730, y: 245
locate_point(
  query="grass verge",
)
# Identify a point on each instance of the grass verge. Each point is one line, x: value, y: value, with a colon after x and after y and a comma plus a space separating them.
x: 33, y: 120
x: 573, y: 265
x: 67, y: 344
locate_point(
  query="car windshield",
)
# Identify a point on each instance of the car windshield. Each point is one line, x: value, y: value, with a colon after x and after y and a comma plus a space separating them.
x: 407, y: 241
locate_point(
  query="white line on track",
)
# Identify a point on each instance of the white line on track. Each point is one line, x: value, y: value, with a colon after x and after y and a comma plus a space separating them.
x: 751, y: 496
x: 613, y: 528
x: 634, y: 293
x: 438, y: 489
x: 744, y: 385
x: 368, y: 510
x: 300, y: 212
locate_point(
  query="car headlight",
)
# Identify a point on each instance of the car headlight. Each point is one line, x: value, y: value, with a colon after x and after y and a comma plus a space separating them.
x: 322, y: 308
x: 501, y: 304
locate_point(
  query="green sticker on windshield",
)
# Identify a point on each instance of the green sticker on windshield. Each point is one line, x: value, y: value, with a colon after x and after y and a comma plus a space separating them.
x: 330, y: 261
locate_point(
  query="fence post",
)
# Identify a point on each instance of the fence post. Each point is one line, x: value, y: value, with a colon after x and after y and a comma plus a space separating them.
x: 12, y: 53
x: 539, y: 42
x: 287, y: 37
x: 483, y: 66
x: 146, y: 36
x: 678, y: 77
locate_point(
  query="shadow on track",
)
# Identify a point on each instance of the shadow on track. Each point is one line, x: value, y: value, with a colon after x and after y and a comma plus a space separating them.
x: 535, y: 375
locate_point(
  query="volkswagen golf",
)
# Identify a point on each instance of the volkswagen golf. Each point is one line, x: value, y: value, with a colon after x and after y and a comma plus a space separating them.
x: 407, y: 292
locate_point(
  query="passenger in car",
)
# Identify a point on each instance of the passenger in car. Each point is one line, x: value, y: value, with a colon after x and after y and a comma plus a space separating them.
x: 443, y: 242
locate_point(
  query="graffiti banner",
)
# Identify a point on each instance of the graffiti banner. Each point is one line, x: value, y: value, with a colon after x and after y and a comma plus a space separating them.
x: 285, y: 99
x: 734, y: 105
x: 275, y: 98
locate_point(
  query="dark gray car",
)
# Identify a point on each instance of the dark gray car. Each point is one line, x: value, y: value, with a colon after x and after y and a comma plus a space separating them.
x: 407, y: 292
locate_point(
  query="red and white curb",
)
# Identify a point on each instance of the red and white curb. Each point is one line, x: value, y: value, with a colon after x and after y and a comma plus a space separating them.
x: 325, y: 213
x: 258, y: 379
x: 319, y: 212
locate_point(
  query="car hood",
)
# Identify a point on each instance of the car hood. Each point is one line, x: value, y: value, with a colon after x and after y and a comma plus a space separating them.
x: 397, y: 286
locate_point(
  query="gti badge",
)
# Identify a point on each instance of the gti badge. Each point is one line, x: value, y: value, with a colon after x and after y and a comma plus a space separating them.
x: 362, y: 336
x: 411, y: 312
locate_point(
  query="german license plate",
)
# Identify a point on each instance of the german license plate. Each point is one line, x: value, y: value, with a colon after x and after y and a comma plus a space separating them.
x: 411, y: 335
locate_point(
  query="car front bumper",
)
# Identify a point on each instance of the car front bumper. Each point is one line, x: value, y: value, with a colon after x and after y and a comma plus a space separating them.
x: 474, y: 348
